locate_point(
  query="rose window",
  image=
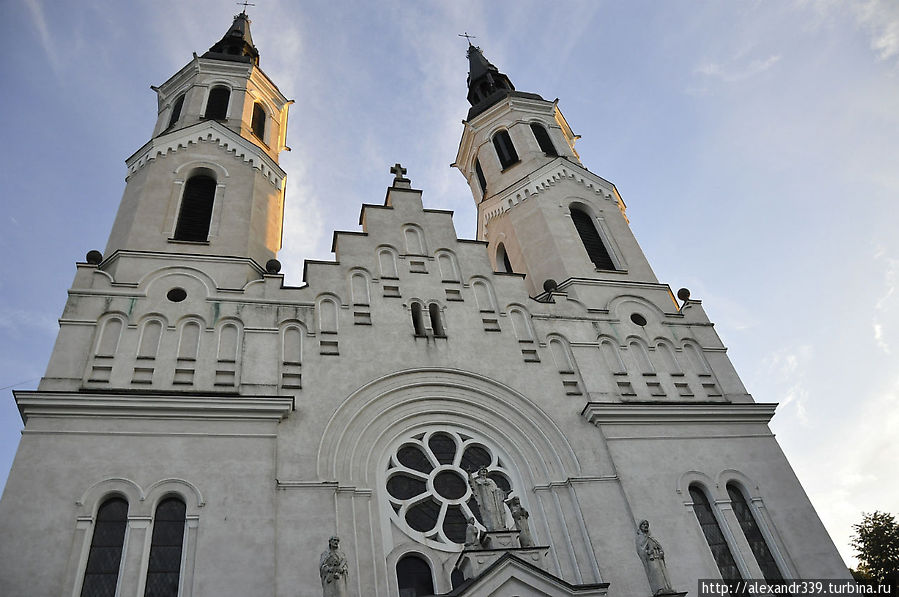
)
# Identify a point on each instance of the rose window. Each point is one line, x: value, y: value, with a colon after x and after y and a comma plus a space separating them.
x: 427, y: 485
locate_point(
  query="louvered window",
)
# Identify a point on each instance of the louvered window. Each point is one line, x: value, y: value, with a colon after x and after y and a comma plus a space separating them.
x: 504, y: 149
x: 101, y: 576
x: 164, y: 568
x: 259, y: 121
x: 217, y: 105
x: 196, y: 209
x: 713, y: 535
x: 413, y: 575
x: 176, y: 111
x: 596, y: 249
x: 543, y: 140
x: 753, y: 534
x: 481, y: 179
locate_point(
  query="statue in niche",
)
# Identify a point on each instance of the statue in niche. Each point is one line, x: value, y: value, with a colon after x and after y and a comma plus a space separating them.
x: 472, y: 534
x: 332, y: 568
x: 491, y: 500
x: 520, y: 515
x: 653, y: 557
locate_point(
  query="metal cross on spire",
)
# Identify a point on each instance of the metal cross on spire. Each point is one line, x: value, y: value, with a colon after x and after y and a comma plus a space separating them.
x: 468, y: 37
x: 245, y: 4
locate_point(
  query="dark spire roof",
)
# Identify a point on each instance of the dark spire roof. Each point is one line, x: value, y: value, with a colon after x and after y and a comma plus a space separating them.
x: 486, y: 85
x: 237, y: 45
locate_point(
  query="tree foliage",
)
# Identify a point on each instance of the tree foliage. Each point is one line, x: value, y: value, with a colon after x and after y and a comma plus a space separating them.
x: 876, y: 544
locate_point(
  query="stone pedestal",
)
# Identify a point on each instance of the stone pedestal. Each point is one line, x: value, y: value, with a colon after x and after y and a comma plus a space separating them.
x: 473, y: 561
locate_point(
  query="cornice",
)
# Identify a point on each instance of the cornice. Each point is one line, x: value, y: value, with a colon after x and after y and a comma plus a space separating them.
x: 209, y: 131
x: 152, y: 406
x: 603, y: 413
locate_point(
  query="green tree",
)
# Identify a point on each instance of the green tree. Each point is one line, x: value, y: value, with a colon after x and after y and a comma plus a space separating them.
x: 876, y: 544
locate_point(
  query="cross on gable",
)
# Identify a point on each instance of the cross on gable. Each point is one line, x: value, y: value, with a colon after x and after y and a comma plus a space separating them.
x: 468, y: 37
x: 397, y: 170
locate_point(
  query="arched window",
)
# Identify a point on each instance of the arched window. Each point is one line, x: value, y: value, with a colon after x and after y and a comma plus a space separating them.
x: 176, y: 111
x: 164, y: 568
x: 753, y: 534
x: 481, y: 179
x: 502, y: 259
x: 149, y: 339
x: 101, y: 576
x: 196, y: 209
x: 418, y: 321
x: 713, y: 535
x: 436, y: 323
x: 543, y: 140
x: 504, y: 149
x: 413, y: 575
x: 259, y: 121
x: 217, y: 104
x: 586, y: 229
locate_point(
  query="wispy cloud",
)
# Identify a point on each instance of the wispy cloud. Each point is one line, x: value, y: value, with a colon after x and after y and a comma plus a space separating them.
x: 733, y: 73
x: 887, y: 305
x: 21, y: 321
x: 881, y: 19
x: 788, y: 367
x: 40, y: 23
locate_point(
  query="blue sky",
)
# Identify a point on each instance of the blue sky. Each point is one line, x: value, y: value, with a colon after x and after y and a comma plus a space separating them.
x: 756, y: 145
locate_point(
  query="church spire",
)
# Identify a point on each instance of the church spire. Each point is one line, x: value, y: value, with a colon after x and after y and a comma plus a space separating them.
x: 486, y: 85
x: 237, y: 44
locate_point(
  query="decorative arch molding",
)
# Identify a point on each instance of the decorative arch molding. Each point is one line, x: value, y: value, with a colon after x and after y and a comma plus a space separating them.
x: 734, y: 476
x: 357, y: 436
x: 695, y: 477
x: 187, y: 169
x: 121, y: 486
x: 184, y: 489
x: 617, y: 304
x: 150, y: 280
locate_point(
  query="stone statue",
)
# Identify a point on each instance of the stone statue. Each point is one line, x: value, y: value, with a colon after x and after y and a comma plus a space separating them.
x: 472, y: 534
x: 653, y: 557
x: 490, y: 500
x: 332, y: 567
x: 520, y: 515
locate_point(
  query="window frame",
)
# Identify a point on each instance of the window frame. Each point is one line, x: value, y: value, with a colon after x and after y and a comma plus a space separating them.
x: 505, y: 149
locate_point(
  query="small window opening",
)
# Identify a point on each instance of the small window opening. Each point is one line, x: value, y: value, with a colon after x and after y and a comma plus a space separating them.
x: 502, y: 259
x: 196, y: 209
x: 482, y: 180
x: 418, y: 322
x: 504, y: 149
x: 176, y: 111
x: 413, y: 575
x: 596, y: 249
x: 259, y: 121
x: 164, y: 568
x: 436, y: 323
x: 101, y: 576
x: 217, y: 105
x: 638, y: 319
x: 543, y: 140
x: 713, y: 535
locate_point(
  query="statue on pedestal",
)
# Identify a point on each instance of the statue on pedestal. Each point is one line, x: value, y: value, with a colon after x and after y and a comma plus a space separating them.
x: 520, y: 515
x: 332, y: 568
x: 653, y: 557
x: 472, y: 534
x: 490, y: 500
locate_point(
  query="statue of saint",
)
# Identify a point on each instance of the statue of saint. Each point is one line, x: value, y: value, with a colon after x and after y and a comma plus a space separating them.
x: 520, y: 515
x: 472, y: 534
x: 653, y: 557
x: 332, y: 567
x: 490, y: 500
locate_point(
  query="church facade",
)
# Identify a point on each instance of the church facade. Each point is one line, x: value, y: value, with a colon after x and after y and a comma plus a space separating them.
x: 499, y: 416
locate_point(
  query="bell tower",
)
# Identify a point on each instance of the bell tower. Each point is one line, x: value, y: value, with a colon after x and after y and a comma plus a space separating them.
x: 541, y: 211
x: 208, y: 181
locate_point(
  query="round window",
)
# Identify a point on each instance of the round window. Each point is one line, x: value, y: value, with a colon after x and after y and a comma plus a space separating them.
x: 427, y: 485
x: 176, y: 295
x: 638, y: 319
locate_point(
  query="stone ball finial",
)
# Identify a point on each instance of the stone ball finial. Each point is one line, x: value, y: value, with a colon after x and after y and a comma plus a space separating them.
x: 94, y: 257
x: 683, y: 294
x: 550, y: 285
x: 273, y: 266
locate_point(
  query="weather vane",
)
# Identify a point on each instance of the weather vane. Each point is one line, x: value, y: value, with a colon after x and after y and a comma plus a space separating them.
x: 468, y: 37
x: 245, y: 4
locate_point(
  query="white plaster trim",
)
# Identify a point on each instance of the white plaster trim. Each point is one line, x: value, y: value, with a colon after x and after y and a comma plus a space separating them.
x: 34, y: 403
x: 641, y: 414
